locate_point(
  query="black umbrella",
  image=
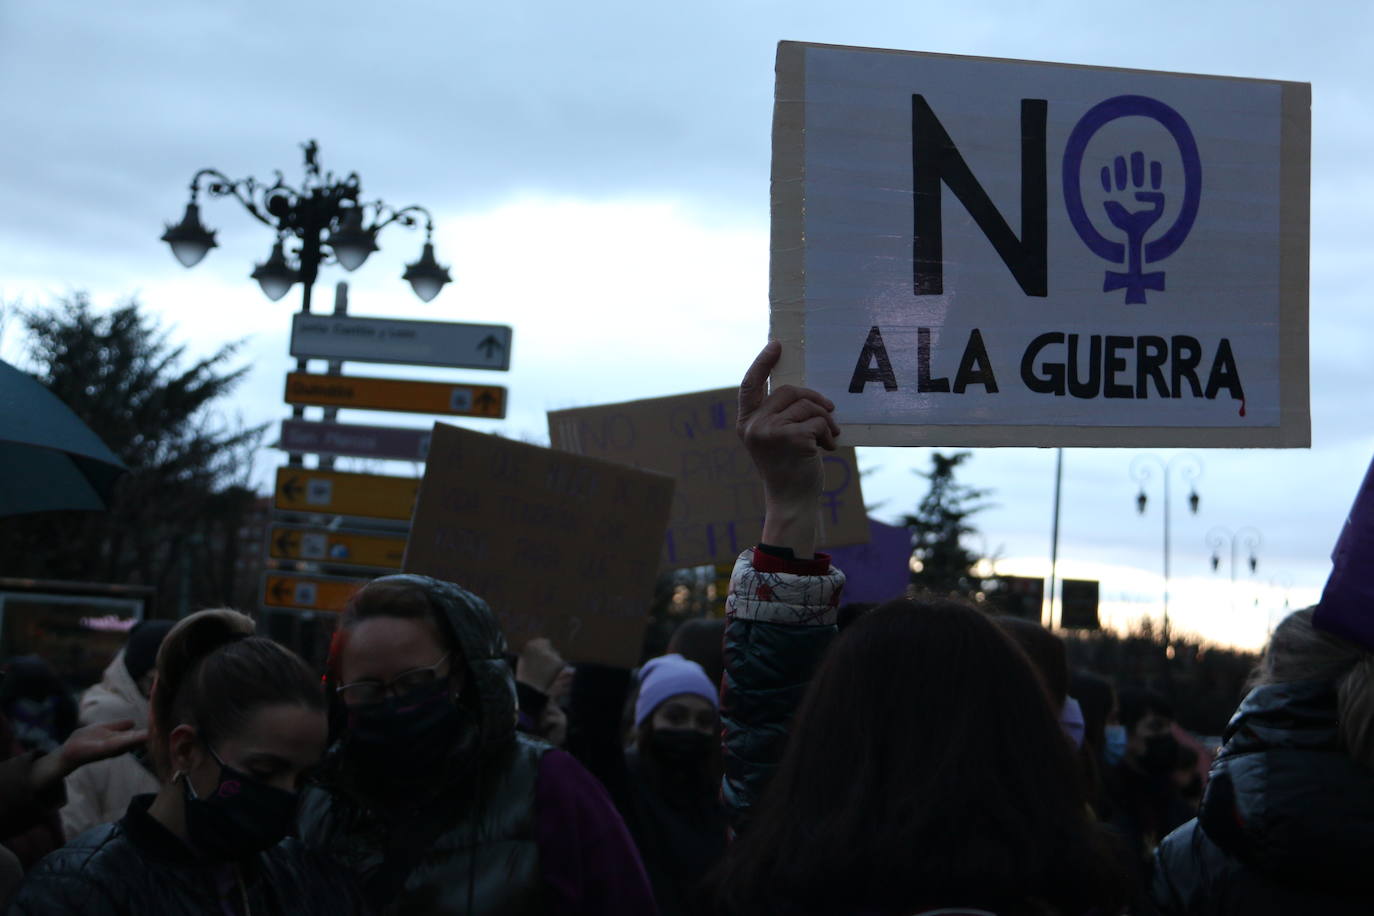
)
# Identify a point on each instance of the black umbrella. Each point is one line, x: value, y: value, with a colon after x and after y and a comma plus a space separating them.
x: 49, y: 459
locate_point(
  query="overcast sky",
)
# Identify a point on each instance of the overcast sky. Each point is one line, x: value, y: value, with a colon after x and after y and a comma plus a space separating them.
x: 599, y: 176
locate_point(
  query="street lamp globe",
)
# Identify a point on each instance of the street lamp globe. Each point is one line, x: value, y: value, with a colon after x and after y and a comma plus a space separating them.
x: 351, y: 242
x: 426, y: 276
x: 189, y: 239
x: 274, y: 275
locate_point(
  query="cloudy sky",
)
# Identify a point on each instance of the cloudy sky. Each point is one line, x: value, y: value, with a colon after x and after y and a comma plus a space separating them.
x: 599, y: 176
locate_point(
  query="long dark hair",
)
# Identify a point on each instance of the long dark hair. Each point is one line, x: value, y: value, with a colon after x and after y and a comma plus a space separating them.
x: 926, y: 768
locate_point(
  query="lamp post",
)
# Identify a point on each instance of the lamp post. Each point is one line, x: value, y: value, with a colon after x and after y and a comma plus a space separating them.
x: 1249, y: 538
x: 1281, y: 581
x: 325, y: 218
x: 1189, y: 469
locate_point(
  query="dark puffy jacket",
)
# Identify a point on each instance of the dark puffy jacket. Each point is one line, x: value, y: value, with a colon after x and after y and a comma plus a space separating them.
x: 1287, y: 824
x: 136, y: 867
x: 781, y: 620
x: 481, y: 844
x: 420, y: 854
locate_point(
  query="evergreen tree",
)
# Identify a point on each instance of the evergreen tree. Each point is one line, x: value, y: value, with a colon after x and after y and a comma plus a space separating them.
x: 938, y: 528
x: 173, y: 518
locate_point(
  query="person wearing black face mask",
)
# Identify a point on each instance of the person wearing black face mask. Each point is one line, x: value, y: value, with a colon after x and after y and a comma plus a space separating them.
x: 1146, y: 802
x: 667, y: 782
x: 236, y: 722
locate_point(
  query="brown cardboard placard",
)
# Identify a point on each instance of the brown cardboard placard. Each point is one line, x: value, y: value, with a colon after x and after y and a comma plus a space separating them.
x: 560, y: 545
x: 824, y: 126
x: 718, y: 504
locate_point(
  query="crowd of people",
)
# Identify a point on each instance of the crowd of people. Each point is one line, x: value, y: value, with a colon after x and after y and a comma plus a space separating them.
x: 801, y: 757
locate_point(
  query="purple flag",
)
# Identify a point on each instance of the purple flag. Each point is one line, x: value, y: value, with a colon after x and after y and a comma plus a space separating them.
x: 879, y: 570
x: 1347, y: 605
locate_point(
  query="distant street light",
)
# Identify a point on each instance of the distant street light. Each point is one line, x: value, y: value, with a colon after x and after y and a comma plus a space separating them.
x: 1282, y: 581
x: 1249, y: 538
x: 1190, y: 469
x: 324, y: 217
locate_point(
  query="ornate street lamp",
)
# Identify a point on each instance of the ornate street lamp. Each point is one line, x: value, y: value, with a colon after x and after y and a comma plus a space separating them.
x: 325, y: 218
x: 1249, y: 538
x: 1190, y: 469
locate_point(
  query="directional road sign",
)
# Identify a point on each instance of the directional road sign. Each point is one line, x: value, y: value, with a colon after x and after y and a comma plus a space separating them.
x: 396, y: 394
x: 308, y: 593
x: 411, y: 343
x: 343, y: 547
x: 354, y: 440
x: 339, y: 493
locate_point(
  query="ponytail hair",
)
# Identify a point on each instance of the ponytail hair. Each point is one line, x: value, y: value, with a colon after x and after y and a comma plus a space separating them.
x: 213, y: 673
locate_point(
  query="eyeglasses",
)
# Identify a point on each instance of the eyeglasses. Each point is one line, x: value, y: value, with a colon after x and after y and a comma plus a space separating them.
x: 368, y: 692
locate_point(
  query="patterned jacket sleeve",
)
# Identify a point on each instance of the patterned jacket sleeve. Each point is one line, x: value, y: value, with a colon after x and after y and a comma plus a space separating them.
x: 780, y: 620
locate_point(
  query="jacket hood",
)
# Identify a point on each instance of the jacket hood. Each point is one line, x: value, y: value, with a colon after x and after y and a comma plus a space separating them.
x: 1285, y: 796
x: 115, y: 697
x: 477, y: 633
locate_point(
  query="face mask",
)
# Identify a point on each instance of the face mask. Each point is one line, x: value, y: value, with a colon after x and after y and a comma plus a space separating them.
x: 414, y: 734
x: 1161, y: 755
x: 681, y: 748
x: 1114, y: 747
x: 242, y: 818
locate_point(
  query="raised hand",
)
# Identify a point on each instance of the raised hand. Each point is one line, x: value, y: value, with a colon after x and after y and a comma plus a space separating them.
x: 97, y: 742
x: 539, y: 664
x: 785, y: 432
x: 85, y: 745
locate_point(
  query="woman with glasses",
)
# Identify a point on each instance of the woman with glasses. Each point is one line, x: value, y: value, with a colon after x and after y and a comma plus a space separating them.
x: 236, y: 722
x: 430, y: 797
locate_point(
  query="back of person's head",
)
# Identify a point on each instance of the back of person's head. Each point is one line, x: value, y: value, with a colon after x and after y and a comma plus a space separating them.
x: 1046, y: 652
x: 213, y: 674
x: 701, y: 640
x: 140, y: 651
x: 926, y: 768
x: 30, y: 677
x: 1096, y: 697
x: 1298, y: 651
x: 40, y: 706
x: 850, y: 613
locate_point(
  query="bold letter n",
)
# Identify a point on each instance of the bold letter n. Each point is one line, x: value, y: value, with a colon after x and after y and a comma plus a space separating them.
x: 934, y: 158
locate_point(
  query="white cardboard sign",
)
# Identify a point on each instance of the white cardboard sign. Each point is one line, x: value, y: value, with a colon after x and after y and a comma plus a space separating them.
x: 969, y: 251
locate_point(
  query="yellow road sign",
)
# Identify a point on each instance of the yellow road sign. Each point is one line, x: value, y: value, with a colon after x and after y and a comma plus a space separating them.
x: 308, y: 593
x: 351, y: 548
x: 396, y: 394
x: 339, y: 493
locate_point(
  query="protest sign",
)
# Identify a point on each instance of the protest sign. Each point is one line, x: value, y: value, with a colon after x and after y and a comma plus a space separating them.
x: 879, y: 570
x: 718, y: 504
x: 1347, y: 605
x: 559, y: 545
x: 969, y: 251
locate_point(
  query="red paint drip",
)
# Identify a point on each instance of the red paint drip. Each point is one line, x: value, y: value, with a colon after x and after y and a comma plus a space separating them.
x: 1242, y: 407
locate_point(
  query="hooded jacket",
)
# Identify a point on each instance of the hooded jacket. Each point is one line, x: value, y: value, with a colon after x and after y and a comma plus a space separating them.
x: 518, y: 828
x: 1287, y: 822
x: 100, y: 792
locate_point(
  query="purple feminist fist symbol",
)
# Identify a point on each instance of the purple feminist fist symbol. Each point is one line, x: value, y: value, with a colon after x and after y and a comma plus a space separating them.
x: 1129, y: 182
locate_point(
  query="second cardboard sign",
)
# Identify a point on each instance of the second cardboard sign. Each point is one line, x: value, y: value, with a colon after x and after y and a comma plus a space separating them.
x: 718, y: 504
x: 559, y: 545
